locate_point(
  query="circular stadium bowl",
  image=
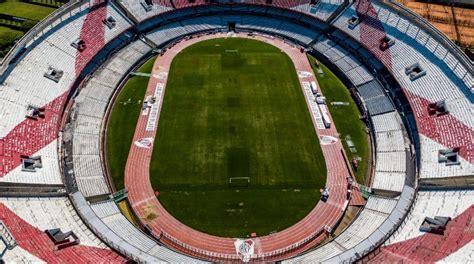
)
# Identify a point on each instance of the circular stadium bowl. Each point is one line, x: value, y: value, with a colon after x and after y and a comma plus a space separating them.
x: 412, y: 85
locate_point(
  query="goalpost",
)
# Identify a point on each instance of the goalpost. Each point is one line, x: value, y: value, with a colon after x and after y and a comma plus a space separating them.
x: 239, y: 181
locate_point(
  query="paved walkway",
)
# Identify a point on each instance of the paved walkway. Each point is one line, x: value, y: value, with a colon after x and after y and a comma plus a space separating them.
x: 289, y: 242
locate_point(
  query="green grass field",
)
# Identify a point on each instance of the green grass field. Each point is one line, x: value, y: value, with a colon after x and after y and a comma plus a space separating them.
x: 346, y: 118
x: 234, y: 108
x: 9, y: 34
x: 25, y: 10
x: 122, y: 122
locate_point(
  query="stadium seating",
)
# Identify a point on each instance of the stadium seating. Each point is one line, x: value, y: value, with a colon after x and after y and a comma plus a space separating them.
x: 115, y: 221
x: 346, y: 62
x: 376, y: 211
x: 90, y: 109
x: 390, y: 170
x: 446, y: 79
x: 408, y: 242
x: 27, y: 218
x: 51, y: 64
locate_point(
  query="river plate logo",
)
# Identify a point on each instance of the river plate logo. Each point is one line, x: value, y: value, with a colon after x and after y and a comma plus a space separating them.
x: 304, y: 74
x: 244, y: 249
x: 328, y: 140
x: 144, y: 142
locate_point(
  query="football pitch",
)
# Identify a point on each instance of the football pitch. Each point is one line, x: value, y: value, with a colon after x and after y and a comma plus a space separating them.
x: 236, y: 151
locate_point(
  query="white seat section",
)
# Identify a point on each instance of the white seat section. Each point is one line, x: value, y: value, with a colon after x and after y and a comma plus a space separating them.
x: 130, y: 55
x: 204, y: 23
x: 431, y: 204
x: 414, y: 45
x: 92, y: 185
x: 104, y: 209
x: 394, y: 24
x: 90, y: 107
x: 390, y: 181
x: 121, y: 22
x: 138, y: 11
x: 107, y: 77
x: 85, y: 144
x: 110, y: 214
x: 11, y: 115
x: 364, y: 225
x: 167, y: 32
x: 115, y: 68
x: 19, y: 255
x: 87, y: 166
x: 346, y: 62
x: 48, y: 213
x: 342, y: 24
x: 87, y: 125
x: 119, y: 65
x: 97, y: 91
x: 73, y: 29
x: 140, y: 46
x: 386, y: 122
x: 391, y: 161
x: 431, y: 168
x: 375, y: 213
x: 322, y: 10
x: 390, y: 141
x: 319, y: 254
x: 26, y: 84
x: 89, y: 175
x: 48, y: 174
x: 381, y: 204
x: 121, y: 226
x: 359, y: 75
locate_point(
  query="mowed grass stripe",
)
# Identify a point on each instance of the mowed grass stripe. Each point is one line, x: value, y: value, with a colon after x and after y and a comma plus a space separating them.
x: 346, y: 118
x: 234, y: 108
x: 122, y: 122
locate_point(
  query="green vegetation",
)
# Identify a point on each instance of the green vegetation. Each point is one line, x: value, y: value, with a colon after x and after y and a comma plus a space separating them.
x: 25, y: 10
x: 10, y: 31
x: 122, y: 122
x: 7, y: 39
x: 346, y: 117
x: 128, y: 213
x: 234, y: 108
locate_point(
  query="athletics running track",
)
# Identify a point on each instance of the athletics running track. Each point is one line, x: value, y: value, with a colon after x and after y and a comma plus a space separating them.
x: 308, y: 232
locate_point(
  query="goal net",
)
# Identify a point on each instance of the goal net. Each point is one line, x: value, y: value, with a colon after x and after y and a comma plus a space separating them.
x: 239, y: 181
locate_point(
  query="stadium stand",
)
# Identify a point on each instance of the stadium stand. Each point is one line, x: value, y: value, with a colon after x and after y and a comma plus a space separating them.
x: 97, y: 43
x: 446, y: 77
x: 409, y: 242
x: 105, y: 219
x: 28, y: 218
x: 379, y: 215
x: 90, y: 109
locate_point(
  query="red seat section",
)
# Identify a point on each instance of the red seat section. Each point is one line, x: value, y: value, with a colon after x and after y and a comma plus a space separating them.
x: 37, y: 243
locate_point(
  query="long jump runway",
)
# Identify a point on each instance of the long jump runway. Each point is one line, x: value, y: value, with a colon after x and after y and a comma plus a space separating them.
x: 308, y: 232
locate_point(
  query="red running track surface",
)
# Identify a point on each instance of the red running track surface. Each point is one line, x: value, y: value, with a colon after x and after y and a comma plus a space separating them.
x: 142, y: 197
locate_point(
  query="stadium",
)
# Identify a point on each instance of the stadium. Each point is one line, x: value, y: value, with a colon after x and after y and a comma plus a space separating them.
x: 189, y: 131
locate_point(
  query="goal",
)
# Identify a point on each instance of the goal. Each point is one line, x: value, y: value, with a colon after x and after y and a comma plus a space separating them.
x: 239, y: 181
